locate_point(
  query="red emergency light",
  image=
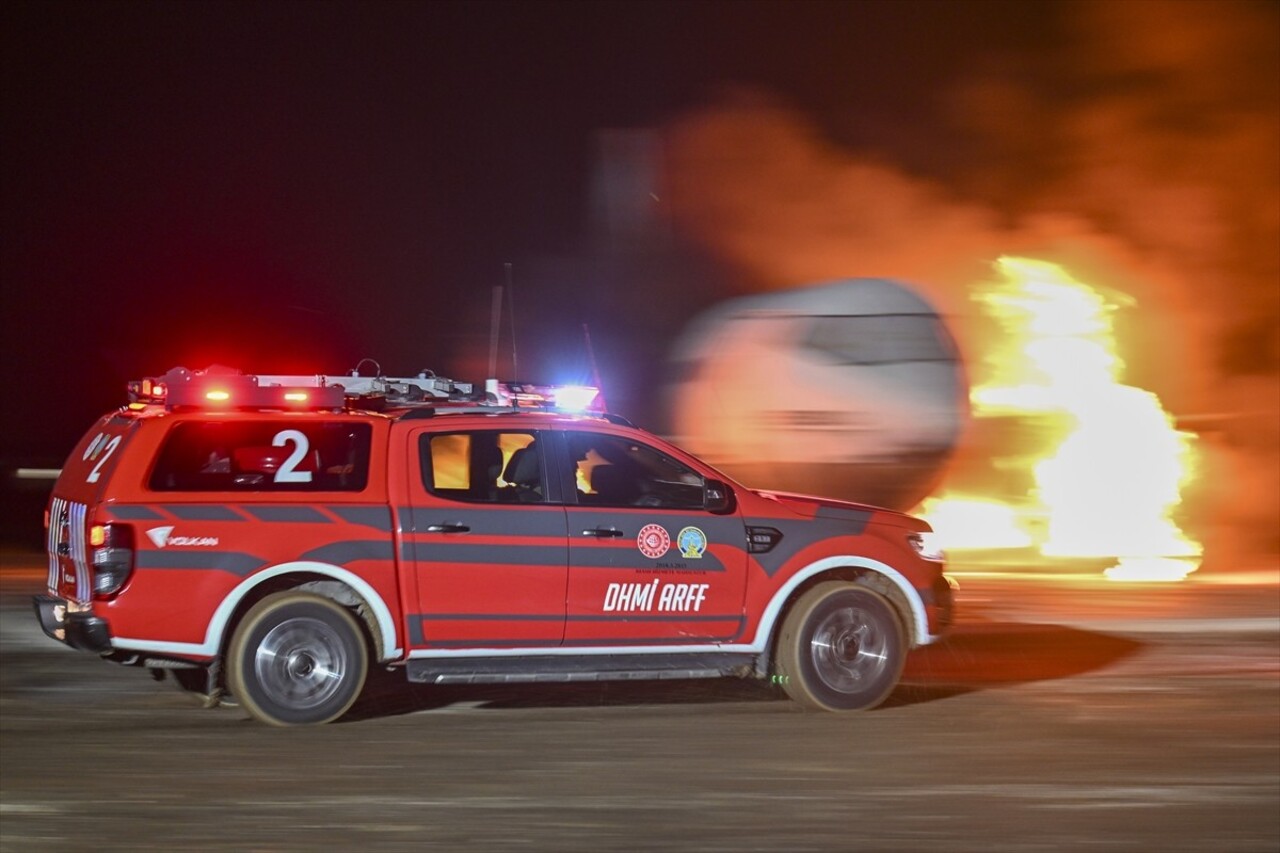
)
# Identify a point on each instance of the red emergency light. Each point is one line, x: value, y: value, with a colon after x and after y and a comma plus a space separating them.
x: 220, y: 388
x: 225, y: 388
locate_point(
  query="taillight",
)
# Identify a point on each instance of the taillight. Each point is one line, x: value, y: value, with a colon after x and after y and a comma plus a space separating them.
x: 112, y: 557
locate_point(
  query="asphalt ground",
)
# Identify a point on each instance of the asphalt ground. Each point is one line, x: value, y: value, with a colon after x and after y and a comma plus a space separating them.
x: 1065, y: 712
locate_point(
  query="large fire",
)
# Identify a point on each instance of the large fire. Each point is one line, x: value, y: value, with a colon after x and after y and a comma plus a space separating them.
x: 1110, y: 470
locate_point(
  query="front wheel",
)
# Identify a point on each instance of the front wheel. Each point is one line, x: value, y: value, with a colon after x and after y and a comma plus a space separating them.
x: 841, y: 648
x: 297, y: 659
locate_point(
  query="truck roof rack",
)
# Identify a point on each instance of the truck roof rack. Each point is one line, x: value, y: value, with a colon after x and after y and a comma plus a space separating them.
x: 410, y: 413
x: 219, y: 388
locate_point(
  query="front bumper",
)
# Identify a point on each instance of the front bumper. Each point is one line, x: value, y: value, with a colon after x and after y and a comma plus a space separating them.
x: 941, y: 605
x: 78, y: 629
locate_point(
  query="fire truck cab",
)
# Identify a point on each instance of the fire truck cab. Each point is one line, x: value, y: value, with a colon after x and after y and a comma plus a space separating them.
x: 275, y: 538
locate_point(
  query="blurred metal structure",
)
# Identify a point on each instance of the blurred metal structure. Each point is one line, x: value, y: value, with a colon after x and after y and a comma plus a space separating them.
x: 852, y: 388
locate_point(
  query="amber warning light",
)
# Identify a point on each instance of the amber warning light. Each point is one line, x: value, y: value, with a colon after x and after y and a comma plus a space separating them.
x: 146, y: 391
x: 227, y: 388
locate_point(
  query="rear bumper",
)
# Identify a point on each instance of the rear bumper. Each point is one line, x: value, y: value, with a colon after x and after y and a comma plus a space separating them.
x: 79, y: 630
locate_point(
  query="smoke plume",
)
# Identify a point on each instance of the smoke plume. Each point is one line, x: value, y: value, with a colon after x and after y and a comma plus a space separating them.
x: 1143, y: 153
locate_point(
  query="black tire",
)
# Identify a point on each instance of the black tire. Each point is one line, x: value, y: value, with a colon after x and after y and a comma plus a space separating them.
x: 297, y: 659
x: 841, y: 648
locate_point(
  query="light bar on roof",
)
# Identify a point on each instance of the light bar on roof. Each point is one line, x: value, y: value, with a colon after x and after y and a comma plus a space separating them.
x: 569, y: 398
x: 223, y: 388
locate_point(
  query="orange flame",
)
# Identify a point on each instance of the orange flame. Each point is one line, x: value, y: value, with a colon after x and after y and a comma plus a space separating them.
x: 1108, y: 482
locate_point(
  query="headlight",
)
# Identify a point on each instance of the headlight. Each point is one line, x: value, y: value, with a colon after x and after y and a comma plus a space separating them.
x: 927, y: 545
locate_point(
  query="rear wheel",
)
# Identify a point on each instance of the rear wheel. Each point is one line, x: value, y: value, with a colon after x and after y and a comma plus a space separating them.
x: 297, y: 659
x: 841, y: 648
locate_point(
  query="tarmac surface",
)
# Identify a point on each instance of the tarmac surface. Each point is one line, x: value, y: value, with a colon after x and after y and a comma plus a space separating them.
x: 1064, y: 713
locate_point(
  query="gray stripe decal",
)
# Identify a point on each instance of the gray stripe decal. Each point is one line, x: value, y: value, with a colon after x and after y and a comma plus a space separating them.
x: 858, y: 518
x: 134, y: 513
x: 537, y: 617
x: 377, y: 517
x: 683, y: 639
x: 488, y: 643
x: 341, y: 553
x: 718, y: 528
x: 241, y: 565
x: 417, y: 634
x: 494, y: 521
x: 799, y: 534
x: 506, y: 642
x: 553, y: 556
x: 622, y: 552
x: 288, y: 513
x: 202, y: 512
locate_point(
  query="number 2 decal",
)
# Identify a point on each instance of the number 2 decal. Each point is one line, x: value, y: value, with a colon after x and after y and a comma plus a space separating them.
x: 287, y: 472
x: 100, y: 445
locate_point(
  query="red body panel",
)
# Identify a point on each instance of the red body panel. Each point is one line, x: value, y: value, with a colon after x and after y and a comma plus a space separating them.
x: 446, y: 575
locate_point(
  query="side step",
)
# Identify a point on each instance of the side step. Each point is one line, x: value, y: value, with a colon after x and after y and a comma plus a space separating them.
x: 570, y: 668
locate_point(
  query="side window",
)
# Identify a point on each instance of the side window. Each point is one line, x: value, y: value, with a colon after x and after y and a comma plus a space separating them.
x: 263, y: 456
x: 483, y: 465
x: 615, y: 471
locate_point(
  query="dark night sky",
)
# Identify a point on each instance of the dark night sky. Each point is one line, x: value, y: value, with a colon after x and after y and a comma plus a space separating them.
x: 293, y: 186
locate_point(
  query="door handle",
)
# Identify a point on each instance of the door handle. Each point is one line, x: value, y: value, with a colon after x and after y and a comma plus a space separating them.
x: 602, y: 532
x: 448, y: 528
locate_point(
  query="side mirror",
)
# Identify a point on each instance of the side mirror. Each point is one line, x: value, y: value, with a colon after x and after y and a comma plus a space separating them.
x: 717, y: 497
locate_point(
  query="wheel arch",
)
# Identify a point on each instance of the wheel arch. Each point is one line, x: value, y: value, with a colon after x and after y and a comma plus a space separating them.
x: 323, y: 579
x: 873, y: 574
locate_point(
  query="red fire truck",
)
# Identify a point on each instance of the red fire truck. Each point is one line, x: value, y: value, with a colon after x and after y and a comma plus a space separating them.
x: 273, y: 538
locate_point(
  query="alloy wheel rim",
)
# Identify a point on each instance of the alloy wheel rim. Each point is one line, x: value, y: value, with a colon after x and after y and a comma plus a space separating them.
x: 301, y: 663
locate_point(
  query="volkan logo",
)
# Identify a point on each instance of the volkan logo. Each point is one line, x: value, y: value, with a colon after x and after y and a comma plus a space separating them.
x: 160, y: 535
x: 163, y: 536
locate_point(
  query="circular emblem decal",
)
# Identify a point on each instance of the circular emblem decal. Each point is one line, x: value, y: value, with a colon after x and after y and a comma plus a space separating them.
x: 692, y: 542
x: 653, y: 541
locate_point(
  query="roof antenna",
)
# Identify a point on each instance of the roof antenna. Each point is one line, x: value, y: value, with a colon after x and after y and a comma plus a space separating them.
x: 495, y: 333
x: 511, y: 297
x: 595, y: 370
x: 495, y: 329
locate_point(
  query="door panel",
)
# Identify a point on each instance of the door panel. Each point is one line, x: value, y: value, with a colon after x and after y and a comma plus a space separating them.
x: 488, y: 554
x: 648, y: 575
